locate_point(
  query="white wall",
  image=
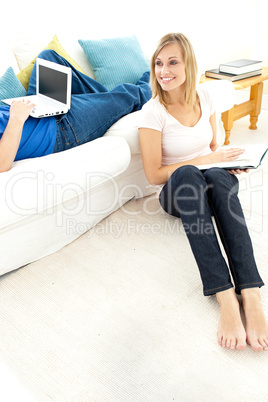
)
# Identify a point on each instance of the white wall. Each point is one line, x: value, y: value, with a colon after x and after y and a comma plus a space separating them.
x: 219, y: 30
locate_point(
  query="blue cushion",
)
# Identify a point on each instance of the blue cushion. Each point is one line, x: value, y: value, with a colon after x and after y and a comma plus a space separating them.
x: 10, y: 86
x: 115, y: 61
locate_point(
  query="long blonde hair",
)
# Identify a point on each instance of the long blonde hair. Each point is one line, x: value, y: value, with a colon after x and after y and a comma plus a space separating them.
x: 190, y: 68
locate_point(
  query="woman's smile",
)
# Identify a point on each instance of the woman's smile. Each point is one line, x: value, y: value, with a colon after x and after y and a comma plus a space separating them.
x: 166, y: 80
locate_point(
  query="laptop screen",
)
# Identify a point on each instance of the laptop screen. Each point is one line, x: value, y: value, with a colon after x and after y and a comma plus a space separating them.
x: 53, y: 83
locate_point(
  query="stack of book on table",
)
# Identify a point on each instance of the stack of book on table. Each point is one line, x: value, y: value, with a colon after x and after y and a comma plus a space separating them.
x: 236, y: 70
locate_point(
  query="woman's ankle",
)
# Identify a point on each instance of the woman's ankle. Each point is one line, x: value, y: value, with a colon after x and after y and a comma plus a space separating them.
x: 226, y: 296
x: 250, y: 297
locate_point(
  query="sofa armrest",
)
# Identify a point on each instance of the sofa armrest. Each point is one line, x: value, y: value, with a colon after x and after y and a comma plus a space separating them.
x: 38, y: 185
x: 127, y: 128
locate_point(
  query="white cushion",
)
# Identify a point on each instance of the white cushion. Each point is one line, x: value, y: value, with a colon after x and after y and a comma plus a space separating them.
x: 8, y: 59
x: 27, y: 46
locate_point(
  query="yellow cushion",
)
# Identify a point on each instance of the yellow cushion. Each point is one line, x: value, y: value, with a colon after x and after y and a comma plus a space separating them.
x: 25, y: 74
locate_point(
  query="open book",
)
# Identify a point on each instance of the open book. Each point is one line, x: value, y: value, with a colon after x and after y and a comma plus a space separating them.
x: 250, y: 159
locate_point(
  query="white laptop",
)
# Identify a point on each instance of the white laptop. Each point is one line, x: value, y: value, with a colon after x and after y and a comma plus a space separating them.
x: 53, y: 89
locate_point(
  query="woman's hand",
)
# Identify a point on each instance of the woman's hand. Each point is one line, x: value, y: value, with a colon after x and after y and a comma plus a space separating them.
x: 228, y: 155
x: 238, y: 171
x: 225, y: 155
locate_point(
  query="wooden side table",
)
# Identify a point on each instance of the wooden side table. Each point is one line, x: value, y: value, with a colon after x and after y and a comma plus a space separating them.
x: 251, y: 107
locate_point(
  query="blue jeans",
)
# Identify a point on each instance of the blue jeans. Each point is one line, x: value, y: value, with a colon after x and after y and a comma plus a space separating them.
x: 195, y: 196
x: 93, y: 108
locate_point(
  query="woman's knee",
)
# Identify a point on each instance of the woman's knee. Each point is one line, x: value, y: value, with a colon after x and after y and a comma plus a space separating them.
x: 186, y: 174
x: 221, y: 185
x: 214, y: 174
x: 186, y: 184
x: 187, y: 180
x: 218, y: 177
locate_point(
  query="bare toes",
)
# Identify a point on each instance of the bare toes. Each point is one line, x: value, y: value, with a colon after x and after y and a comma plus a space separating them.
x: 256, y: 346
x: 241, y: 345
x: 263, y: 343
x: 233, y: 344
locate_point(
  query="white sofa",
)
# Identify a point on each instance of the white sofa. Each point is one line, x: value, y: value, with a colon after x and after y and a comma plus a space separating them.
x: 48, y: 202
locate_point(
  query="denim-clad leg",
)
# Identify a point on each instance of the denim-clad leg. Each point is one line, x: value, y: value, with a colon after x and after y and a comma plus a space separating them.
x: 192, y: 195
x: 94, y: 109
x: 232, y: 228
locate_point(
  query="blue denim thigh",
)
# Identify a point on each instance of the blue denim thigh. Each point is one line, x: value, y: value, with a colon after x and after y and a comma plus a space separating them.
x: 66, y: 136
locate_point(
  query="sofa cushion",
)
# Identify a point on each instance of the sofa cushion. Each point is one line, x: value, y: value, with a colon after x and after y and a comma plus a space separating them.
x: 25, y: 74
x: 10, y: 86
x: 116, y: 60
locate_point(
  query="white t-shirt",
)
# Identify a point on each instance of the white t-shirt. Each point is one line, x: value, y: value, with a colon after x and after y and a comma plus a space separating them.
x: 179, y: 143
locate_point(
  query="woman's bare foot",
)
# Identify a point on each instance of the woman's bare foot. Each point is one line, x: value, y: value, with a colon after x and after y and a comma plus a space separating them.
x: 256, y: 324
x: 231, y: 333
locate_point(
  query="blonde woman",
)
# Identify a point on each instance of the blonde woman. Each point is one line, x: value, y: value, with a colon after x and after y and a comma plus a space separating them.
x: 178, y: 133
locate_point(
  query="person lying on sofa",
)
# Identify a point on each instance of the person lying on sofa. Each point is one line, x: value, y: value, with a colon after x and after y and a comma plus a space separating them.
x: 178, y: 133
x: 94, y: 109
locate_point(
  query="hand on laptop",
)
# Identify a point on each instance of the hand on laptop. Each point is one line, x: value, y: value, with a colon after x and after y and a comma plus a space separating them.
x: 21, y: 109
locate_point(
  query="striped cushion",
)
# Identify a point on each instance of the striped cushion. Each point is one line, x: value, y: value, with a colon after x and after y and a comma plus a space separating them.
x: 116, y: 60
x: 10, y: 86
